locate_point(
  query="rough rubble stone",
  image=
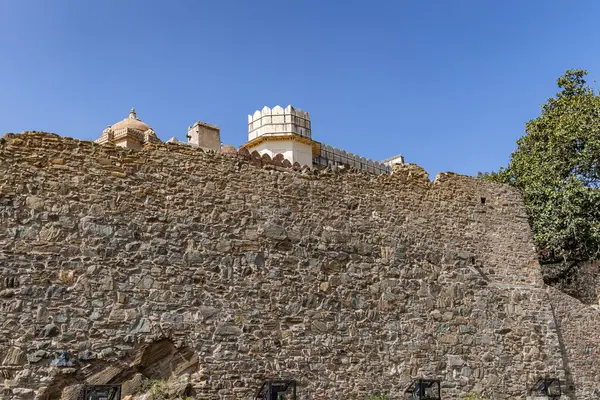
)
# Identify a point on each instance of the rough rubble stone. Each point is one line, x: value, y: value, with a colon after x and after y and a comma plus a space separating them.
x: 171, y: 261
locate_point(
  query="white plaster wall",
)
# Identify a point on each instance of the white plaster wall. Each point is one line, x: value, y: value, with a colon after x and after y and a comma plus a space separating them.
x: 292, y: 151
x: 273, y: 148
x: 394, y: 160
x: 303, y: 154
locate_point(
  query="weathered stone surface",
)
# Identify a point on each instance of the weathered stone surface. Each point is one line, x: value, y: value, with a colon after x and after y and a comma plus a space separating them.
x: 23, y: 393
x: 50, y: 330
x: 133, y: 385
x: 36, y: 356
x: 73, y: 392
x: 274, y: 231
x: 172, y: 261
x: 106, y: 375
x: 14, y: 356
x: 228, y: 330
x: 455, y: 361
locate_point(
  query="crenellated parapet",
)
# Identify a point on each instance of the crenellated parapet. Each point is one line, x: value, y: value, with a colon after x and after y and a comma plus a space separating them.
x: 288, y: 132
x: 279, y: 122
x: 332, y: 156
x: 282, y: 131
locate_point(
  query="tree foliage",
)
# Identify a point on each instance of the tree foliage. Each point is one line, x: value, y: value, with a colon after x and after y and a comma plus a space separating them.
x: 557, y: 167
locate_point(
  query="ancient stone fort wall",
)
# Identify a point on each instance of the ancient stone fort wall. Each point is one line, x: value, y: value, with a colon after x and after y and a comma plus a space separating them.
x: 220, y: 272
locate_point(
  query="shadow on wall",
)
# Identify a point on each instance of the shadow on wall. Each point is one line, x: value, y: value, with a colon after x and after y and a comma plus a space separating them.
x: 578, y: 279
x: 158, y: 368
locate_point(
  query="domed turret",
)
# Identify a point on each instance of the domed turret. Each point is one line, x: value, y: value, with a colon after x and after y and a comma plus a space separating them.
x: 130, y: 133
x: 131, y: 122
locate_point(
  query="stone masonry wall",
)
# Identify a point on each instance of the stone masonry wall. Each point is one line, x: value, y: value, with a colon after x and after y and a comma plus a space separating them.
x: 222, y: 272
x: 579, y: 325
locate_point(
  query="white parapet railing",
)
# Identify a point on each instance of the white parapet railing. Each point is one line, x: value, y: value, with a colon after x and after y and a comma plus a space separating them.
x: 332, y: 156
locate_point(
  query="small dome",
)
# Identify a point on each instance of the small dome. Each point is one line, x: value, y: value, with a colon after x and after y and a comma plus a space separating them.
x: 131, y: 122
x: 228, y: 149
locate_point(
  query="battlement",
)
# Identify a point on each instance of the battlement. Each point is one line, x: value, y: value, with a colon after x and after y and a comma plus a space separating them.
x: 332, y: 156
x: 279, y: 121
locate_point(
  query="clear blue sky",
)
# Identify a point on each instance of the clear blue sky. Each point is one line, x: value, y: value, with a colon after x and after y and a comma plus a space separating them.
x: 447, y: 83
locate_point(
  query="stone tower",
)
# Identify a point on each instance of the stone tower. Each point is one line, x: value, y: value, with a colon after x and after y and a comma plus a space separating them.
x: 282, y: 131
x: 204, y: 135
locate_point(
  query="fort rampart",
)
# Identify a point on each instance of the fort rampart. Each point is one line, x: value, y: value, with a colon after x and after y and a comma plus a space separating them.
x: 221, y: 270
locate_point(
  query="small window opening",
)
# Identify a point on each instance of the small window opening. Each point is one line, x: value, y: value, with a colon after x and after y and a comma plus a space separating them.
x: 483, y: 200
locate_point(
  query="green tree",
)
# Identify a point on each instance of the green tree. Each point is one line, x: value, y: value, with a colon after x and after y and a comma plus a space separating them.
x: 557, y: 167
